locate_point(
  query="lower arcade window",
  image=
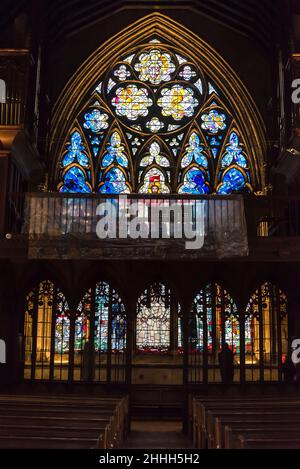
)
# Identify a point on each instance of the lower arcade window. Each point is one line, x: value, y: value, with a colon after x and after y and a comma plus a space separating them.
x: 92, y: 342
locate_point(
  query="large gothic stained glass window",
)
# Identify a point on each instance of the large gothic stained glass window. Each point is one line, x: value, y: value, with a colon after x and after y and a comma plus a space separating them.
x: 155, y: 123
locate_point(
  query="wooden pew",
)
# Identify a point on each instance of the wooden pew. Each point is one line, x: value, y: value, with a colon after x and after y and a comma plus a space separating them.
x: 288, y: 431
x: 96, y: 423
x: 207, y: 413
x: 281, y: 442
x: 38, y: 442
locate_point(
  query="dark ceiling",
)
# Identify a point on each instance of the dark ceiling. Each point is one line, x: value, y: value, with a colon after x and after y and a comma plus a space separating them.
x: 62, y: 18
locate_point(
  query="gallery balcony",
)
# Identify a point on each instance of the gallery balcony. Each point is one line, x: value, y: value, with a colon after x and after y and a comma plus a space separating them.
x: 68, y: 226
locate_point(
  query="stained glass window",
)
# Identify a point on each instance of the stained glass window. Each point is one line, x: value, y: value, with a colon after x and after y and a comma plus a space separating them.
x: 75, y: 172
x: 113, y: 175
x: 159, y: 91
x: 100, y: 332
x: 214, y: 321
x: 266, y: 334
x: 156, y: 311
x: 47, y: 312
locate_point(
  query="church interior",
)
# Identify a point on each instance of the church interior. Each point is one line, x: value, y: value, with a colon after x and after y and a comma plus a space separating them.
x: 112, y: 115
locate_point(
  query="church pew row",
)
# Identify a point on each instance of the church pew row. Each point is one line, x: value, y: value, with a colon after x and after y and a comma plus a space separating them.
x: 38, y: 442
x: 215, y: 430
x: 59, y: 422
x: 107, y: 436
x: 262, y: 432
x: 211, y: 416
x: 281, y: 442
x: 199, y: 406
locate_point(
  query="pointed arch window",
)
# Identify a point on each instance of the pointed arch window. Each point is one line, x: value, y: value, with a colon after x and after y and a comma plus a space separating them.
x: 214, y: 320
x: 266, y: 334
x: 46, y: 333
x: 158, y: 317
x: 154, y: 171
x: 100, y: 336
x: 156, y: 90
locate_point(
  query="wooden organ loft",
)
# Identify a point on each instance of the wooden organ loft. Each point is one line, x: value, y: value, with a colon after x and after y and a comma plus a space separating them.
x: 145, y: 316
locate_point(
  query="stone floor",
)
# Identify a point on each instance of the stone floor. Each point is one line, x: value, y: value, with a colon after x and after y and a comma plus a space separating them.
x: 156, y: 435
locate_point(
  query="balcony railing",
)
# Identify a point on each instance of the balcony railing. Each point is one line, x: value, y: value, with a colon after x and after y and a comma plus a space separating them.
x: 167, y: 223
x: 209, y: 226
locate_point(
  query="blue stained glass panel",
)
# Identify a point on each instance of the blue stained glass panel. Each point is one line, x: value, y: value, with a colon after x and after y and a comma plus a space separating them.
x: 194, y: 182
x: 194, y: 151
x: 233, y: 180
x: 96, y: 121
x: 75, y: 152
x: 115, y: 152
x: 75, y: 181
x: 234, y: 153
x: 114, y: 183
x: 62, y: 334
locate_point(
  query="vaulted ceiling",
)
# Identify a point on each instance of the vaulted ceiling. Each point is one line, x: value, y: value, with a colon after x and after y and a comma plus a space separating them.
x: 66, y: 17
x: 247, y: 17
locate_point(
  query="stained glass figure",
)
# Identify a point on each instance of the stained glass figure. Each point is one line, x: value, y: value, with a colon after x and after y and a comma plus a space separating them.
x: 233, y: 181
x: 154, y: 182
x: 234, y: 166
x: 195, y: 177
x: 75, y: 164
x: 75, y: 181
x: 115, y: 152
x: 62, y: 325
x: 114, y: 182
x: 153, y: 320
x: 194, y: 182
